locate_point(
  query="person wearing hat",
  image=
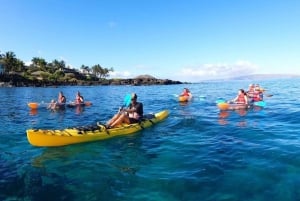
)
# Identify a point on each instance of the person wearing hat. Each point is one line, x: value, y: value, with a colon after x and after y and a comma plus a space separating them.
x: 258, y: 95
x: 254, y: 93
x: 251, y: 91
x: 130, y: 115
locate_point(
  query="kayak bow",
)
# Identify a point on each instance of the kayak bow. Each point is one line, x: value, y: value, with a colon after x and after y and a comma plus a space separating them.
x: 51, y: 138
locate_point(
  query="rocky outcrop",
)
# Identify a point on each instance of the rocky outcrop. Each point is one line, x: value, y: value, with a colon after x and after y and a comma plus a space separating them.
x: 143, y: 81
x: 15, y: 80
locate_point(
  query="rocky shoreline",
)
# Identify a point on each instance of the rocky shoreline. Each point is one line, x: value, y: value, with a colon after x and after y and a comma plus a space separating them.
x: 19, y: 81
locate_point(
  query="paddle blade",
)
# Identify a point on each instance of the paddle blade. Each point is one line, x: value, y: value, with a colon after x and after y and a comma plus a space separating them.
x: 223, y: 106
x: 220, y: 100
x: 127, y: 100
x: 260, y: 103
x: 33, y: 105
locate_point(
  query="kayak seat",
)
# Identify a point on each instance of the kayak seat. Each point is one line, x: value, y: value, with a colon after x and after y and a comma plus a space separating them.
x: 148, y: 116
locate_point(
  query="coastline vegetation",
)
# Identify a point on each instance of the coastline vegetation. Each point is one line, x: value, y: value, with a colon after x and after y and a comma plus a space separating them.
x: 40, y: 71
x: 14, y: 72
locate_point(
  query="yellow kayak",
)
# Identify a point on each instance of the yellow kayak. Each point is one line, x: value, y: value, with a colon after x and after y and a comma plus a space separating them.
x: 184, y: 98
x: 232, y: 106
x: 51, y: 138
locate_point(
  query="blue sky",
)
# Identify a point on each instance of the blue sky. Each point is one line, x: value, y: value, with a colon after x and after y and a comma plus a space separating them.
x: 189, y: 40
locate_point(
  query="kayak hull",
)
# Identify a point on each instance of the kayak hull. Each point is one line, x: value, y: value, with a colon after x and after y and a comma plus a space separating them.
x: 232, y: 106
x: 52, y: 138
x: 35, y: 105
x: 228, y: 106
x: 72, y: 105
x: 184, y: 98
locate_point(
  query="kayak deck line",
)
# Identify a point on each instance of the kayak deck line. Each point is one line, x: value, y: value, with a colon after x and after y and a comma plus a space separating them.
x: 48, y: 137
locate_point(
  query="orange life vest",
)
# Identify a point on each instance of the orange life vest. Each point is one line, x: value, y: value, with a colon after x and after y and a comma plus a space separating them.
x: 241, y: 99
x: 185, y: 94
x: 256, y: 96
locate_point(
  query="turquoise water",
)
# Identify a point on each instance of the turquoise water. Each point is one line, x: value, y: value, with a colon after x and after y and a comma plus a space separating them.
x: 197, y: 153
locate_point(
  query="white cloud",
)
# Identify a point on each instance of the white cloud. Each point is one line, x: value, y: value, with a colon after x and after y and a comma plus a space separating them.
x: 28, y: 63
x: 120, y: 74
x: 139, y: 69
x: 217, y: 71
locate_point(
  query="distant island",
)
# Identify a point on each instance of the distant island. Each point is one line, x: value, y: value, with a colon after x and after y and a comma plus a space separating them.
x: 40, y: 73
x: 254, y: 77
x: 265, y: 76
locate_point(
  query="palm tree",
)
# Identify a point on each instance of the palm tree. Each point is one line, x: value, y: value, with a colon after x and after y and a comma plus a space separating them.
x: 50, y: 68
x: 62, y: 64
x: 85, y: 69
x: 1, y: 63
x: 9, y: 61
x: 96, y: 69
x: 101, y: 72
x: 19, y: 66
x: 106, y: 72
x: 39, y: 63
x: 55, y: 64
x: 58, y: 65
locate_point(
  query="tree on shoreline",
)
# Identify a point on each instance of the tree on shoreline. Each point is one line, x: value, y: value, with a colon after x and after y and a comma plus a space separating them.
x: 11, y: 63
x: 52, y: 71
x: 100, y: 72
x: 13, y: 72
x: 85, y: 69
x: 39, y: 63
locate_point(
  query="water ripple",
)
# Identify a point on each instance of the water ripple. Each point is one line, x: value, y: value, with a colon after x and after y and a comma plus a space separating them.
x: 198, y: 153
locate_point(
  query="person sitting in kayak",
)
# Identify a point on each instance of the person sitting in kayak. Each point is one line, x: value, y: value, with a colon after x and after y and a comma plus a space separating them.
x: 186, y: 95
x: 258, y: 94
x: 79, y: 99
x: 241, y: 98
x: 186, y: 92
x: 52, y: 105
x: 250, y: 92
x: 130, y: 115
x: 61, y: 98
x: 255, y: 93
x: 61, y: 101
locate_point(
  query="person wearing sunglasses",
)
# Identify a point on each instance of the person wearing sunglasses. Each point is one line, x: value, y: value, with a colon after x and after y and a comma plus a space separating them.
x: 130, y: 115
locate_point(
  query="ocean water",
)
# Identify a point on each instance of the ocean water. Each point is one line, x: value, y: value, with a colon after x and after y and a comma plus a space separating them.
x: 197, y: 153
